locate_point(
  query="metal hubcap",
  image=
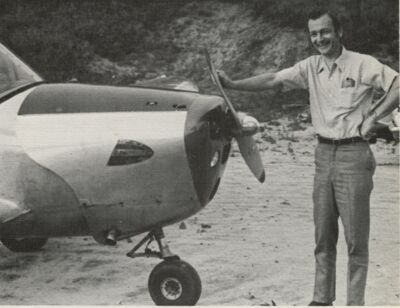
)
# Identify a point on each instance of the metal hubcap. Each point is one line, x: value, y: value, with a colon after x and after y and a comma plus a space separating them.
x: 171, y: 288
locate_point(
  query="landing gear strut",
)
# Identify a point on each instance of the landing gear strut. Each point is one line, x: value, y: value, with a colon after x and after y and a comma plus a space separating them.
x: 172, y: 282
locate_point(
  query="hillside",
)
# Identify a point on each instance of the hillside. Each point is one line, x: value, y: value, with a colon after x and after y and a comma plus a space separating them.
x: 122, y: 42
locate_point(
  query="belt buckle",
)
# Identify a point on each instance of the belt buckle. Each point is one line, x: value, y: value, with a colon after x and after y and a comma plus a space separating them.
x: 355, y: 140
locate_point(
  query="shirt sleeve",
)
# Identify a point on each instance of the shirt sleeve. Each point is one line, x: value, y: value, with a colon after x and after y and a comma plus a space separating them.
x: 294, y: 77
x: 376, y: 74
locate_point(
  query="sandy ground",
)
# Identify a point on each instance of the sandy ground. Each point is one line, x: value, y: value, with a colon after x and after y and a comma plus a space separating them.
x: 252, y: 244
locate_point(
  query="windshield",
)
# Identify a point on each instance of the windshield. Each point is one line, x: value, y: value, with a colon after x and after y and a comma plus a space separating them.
x: 13, y: 72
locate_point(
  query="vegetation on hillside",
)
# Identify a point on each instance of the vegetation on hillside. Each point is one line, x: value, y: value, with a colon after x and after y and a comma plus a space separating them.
x: 122, y: 41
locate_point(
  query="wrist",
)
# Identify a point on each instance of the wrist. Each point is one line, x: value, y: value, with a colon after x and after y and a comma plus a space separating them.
x: 233, y: 84
x: 373, y: 116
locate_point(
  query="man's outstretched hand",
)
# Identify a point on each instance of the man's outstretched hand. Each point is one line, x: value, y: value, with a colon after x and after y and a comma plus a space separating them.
x: 224, y: 79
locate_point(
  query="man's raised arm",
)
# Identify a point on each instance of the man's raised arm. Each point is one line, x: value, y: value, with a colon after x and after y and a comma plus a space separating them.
x: 257, y: 83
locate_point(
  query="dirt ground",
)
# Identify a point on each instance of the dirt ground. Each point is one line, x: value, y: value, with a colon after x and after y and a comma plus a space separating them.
x: 253, y: 244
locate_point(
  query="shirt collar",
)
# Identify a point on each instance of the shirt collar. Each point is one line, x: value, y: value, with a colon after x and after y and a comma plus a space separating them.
x: 340, y: 61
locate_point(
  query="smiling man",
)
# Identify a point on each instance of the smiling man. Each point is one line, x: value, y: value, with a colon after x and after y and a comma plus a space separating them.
x: 341, y: 84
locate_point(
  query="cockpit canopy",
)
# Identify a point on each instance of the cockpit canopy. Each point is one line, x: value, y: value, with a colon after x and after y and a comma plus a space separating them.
x: 13, y: 72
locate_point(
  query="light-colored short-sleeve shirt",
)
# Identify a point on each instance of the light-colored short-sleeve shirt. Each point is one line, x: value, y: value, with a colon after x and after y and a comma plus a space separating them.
x: 340, y: 98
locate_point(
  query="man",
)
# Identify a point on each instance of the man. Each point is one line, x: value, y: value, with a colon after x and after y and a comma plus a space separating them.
x: 341, y: 84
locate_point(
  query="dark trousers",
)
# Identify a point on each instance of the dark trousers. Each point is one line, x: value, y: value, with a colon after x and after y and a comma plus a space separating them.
x: 342, y: 188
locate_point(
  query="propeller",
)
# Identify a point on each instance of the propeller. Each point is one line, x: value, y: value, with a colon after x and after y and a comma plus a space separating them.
x: 244, y: 128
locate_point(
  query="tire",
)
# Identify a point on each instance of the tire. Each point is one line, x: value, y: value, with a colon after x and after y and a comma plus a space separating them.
x: 24, y: 244
x: 174, y: 283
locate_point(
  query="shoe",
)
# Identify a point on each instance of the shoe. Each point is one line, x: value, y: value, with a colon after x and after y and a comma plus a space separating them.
x: 313, y: 303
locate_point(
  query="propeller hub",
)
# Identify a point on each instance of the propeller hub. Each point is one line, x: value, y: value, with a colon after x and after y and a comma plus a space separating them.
x: 249, y: 126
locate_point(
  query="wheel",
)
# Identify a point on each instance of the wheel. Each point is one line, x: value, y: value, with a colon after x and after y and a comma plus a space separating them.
x: 24, y: 244
x: 174, y: 283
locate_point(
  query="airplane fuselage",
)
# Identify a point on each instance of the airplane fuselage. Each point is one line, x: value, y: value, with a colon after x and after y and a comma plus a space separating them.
x: 81, y: 159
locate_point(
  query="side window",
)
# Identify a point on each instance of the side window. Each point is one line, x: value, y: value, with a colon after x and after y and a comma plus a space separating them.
x: 14, y: 72
x: 7, y: 73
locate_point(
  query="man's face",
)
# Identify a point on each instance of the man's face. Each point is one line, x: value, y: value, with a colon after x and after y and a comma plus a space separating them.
x: 324, y: 37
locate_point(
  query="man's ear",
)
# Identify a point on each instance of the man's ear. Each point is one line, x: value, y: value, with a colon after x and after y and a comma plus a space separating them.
x: 340, y: 32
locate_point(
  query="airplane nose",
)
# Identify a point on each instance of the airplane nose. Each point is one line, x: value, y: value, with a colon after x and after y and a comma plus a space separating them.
x: 207, y: 145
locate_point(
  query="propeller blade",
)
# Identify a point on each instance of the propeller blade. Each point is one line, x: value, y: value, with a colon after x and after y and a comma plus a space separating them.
x: 251, y: 155
x: 242, y: 134
x: 215, y: 78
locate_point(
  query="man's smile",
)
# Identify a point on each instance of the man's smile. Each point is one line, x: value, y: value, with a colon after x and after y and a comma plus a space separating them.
x: 324, y: 44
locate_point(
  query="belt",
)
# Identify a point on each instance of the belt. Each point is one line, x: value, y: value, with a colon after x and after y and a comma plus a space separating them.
x: 351, y: 140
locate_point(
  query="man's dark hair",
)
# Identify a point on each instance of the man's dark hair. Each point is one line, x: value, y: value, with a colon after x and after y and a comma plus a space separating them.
x: 317, y: 13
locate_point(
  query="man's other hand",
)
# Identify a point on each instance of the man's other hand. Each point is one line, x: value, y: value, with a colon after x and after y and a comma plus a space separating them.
x: 368, y: 128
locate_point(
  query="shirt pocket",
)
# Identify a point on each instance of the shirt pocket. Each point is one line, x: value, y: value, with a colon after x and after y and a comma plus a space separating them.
x: 347, y: 97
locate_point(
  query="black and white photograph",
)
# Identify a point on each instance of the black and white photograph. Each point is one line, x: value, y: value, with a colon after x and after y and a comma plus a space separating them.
x: 212, y: 153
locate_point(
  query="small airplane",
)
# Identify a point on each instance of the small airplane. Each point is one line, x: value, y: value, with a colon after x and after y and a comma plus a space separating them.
x: 113, y: 162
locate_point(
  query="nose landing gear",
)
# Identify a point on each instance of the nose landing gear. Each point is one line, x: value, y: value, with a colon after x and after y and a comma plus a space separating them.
x: 172, y: 282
